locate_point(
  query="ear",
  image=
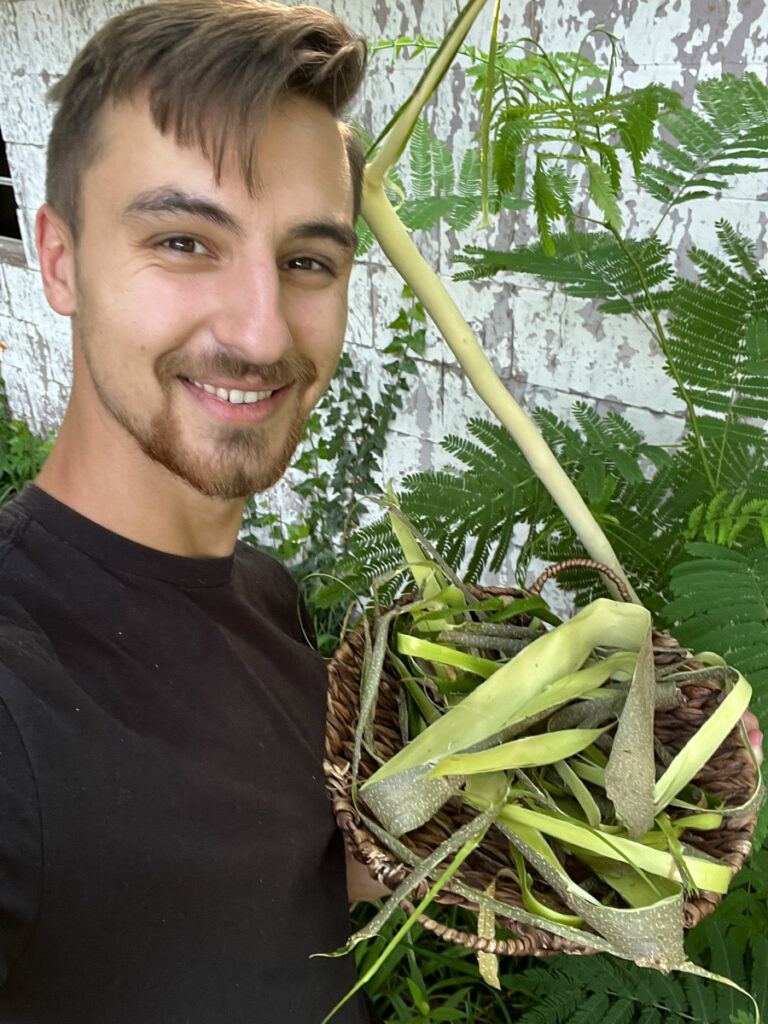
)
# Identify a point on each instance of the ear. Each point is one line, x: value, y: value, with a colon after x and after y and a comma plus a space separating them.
x: 56, y: 251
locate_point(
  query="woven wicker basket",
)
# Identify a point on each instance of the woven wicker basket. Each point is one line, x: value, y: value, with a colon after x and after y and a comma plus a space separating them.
x: 729, y: 775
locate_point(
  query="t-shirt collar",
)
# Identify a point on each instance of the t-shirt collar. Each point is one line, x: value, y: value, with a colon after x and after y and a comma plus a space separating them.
x: 115, y: 551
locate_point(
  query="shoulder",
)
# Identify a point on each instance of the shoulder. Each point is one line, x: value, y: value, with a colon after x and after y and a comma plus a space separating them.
x: 264, y: 571
x: 13, y: 522
x: 271, y: 591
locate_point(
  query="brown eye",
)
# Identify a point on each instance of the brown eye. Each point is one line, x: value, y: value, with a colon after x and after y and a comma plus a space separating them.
x: 185, y: 244
x: 305, y: 263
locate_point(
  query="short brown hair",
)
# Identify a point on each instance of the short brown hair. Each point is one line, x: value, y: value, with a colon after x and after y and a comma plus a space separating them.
x: 213, y: 70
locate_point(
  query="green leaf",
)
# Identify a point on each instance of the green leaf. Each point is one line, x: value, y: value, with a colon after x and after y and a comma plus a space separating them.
x: 508, y: 153
x: 602, y: 191
x: 736, y: 624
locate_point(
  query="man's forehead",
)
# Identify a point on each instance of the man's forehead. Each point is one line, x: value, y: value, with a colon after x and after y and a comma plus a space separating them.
x: 127, y: 123
x: 147, y: 174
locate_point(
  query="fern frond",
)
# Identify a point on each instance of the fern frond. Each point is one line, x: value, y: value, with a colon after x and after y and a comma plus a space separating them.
x: 701, y: 998
x: 508, y: 154
x: 584, y: 264
x: 728, y: 139
x: 421, y: 161
x: 726, y: 519
x: 595, y: 1007
x: 443, y: 167
x: 439, y: 188
x: 717, y: 342
x: 741, y: 251
x: 721, y: 603
x: 735, y: 104
x: 552, y: 193
x: 637, y: 123
x: 556, y: 1008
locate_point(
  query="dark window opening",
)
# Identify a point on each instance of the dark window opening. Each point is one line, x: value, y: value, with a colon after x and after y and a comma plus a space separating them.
x: 9, y: 220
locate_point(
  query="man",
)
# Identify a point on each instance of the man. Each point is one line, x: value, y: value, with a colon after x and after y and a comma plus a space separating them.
x: 167, y: 851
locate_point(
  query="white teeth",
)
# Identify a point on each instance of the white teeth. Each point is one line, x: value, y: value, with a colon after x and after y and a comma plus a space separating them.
x: 235, y: 396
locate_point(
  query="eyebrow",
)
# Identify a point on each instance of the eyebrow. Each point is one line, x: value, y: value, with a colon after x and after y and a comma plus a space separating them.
x: 174, y: 201
x: 341, y: 233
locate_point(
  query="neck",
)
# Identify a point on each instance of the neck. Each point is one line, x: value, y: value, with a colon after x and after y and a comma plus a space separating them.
x: 130, y: 494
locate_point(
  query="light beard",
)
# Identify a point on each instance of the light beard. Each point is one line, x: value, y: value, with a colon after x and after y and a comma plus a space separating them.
x: 245, y: 464
x: 249, y: 458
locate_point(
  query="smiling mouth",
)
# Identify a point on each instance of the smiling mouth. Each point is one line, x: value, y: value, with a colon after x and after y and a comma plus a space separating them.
x: 233, y: 395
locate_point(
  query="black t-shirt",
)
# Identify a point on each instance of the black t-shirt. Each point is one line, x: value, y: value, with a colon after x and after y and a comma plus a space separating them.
x: 167, y: 849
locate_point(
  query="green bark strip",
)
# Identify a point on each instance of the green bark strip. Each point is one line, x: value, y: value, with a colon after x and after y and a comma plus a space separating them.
x: 702, y: 746
x: 517, y: 689
x: 630, y: 774
x: 528, y: 752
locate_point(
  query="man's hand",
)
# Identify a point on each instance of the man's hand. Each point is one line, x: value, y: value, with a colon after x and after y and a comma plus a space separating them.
x: 755, y: 735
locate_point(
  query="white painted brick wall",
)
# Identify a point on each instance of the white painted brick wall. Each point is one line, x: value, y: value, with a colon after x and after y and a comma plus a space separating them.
x: 550, y: 350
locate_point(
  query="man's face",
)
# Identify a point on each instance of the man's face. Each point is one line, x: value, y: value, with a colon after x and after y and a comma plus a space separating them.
x: 209, y: 321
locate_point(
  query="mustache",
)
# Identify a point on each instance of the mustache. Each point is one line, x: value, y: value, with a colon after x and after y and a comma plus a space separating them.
x: 291, y: 367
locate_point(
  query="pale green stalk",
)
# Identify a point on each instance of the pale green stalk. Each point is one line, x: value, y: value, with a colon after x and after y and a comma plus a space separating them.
x: 706, y: 874
x: 400, y: 130
x: 695, y: 754
x: 485, y: 148
x: 431, y: 292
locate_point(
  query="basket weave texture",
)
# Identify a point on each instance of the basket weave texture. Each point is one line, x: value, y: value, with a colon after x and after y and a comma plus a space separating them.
x: 729, y: 775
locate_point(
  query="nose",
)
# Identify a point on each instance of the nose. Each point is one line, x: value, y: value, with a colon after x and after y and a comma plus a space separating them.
x: 251, y: 317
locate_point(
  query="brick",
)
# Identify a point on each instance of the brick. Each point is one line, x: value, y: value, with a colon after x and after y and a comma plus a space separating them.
x: 563, y: 343
x: 25, y: 116
x: 36, y: 373
x: 27, y: 300
x: 359, y: 326
x: 5, y: 304
x: 9, y: 49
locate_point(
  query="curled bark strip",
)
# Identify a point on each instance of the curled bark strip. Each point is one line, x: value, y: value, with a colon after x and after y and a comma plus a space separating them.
x: 581, y: 563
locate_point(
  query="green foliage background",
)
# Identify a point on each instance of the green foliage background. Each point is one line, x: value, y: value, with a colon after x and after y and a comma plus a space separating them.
x: 22, y: 452
x: 689, y: 522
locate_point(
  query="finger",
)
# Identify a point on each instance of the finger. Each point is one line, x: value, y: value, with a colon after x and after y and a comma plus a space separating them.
x: 756, y: 742
x: 750, y: 721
